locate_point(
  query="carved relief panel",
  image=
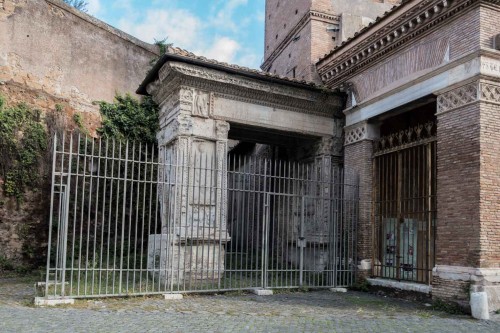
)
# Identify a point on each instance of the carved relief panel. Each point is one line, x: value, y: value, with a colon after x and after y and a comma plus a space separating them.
x: 201, y: 105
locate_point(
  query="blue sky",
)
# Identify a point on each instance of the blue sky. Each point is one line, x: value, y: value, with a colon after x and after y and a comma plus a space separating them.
x: 226, y: 30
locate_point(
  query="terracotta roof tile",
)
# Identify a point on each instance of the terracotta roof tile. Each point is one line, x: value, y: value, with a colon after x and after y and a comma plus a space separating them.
x: 187, y: 54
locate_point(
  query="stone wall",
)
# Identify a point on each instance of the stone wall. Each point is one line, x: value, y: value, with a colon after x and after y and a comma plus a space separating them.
x: 24, y: 225
x: 52, y: 54
x: 49, y: 46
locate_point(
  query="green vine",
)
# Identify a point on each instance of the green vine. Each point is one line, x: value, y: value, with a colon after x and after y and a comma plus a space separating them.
x: 23, y: 141
x: 130, y: 119
x: 78, y: 119
x: 162, y: 47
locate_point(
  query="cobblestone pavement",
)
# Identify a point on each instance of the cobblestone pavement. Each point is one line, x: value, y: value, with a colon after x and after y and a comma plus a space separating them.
x: 318, y: 311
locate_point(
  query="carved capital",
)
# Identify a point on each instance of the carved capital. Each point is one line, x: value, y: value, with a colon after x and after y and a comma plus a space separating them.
x: 361, y: 131
x: 182, y: 125
x: 165, y: 71
x: 490, y: 92
x: 187, y: 99
x: 221, y: 129
x: 152, y: 88
x: 467, y: 94
x: 458, y: 97
x: 325, y: 146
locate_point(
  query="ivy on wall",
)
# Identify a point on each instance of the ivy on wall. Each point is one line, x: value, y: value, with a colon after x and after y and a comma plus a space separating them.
x: 130, y: 119
x: 23, y: 142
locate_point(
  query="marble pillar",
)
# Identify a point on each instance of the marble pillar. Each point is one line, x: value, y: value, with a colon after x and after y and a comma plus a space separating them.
x: 192, y: 193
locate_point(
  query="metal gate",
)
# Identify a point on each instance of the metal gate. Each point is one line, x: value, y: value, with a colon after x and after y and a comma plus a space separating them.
x: 405, y: 204
x: 125, y: 222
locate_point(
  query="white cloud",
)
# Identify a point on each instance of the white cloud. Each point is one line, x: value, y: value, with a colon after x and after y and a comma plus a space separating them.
x: 216, y: 38
x: 178, y: 25
x: 249, y: 59
x: 223, y: 49
x: 223, y: 18
x: 93, y: 6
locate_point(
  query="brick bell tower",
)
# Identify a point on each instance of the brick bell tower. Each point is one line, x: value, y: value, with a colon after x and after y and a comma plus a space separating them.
x: 300, y: 32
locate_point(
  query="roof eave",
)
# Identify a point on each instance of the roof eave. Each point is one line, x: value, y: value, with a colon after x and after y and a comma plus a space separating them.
x: 153, y: 73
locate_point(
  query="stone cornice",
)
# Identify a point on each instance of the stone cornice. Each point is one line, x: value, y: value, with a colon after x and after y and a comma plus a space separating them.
x: 266, y: 65
x: 404, y: 28
x: 175, y: 74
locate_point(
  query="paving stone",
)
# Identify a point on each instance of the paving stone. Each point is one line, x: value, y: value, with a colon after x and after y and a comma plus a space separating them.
x: 318, y: 311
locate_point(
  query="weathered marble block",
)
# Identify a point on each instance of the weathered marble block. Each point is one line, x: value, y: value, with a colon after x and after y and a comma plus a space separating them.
x: 180, y: 261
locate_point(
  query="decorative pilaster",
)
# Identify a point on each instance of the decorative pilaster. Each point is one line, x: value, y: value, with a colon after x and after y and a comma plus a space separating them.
x: 361, y: 131
x: 468, y: 142
x: 358, y: 153
x: 222, y: 130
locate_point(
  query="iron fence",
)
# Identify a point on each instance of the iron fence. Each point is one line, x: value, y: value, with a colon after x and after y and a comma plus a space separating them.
x: 125, y: 221
x: 405, y: 204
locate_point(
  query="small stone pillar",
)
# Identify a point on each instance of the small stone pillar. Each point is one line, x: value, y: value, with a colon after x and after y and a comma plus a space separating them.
x: 312, y: 230
x: 192, y: 195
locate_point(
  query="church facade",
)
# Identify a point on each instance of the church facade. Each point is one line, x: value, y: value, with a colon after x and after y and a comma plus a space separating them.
x: 421, y: 125
x: 422, y: 128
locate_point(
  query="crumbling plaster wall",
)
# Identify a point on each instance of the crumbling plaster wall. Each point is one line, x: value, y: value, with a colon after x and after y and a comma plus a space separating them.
x: 47, y: 45
x: 52, y: 54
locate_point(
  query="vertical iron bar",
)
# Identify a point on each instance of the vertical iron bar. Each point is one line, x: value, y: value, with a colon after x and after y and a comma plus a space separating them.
x: 54, y: 157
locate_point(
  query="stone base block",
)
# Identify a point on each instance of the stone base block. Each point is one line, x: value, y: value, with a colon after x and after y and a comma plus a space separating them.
x: 262, y: 292
x: 409, y: 286
x: 338, y: 290
x: 479, y: 305
x: 197, y: 262
x: 42, y: 301
x: 173, y: 297
x: 459, y: 284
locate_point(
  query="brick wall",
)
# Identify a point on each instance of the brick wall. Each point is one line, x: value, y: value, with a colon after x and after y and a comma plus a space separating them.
x: 366, y: 8
x: 358, y: 158
x: 458, y: 149
x: 296, y: 54
x: 321, y: 40
x: 454, y: 291
x: 324, y: 6
x: 489, y: 25
x: 281, y: 17
x: 490, y: 186
x: 490, y: 157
